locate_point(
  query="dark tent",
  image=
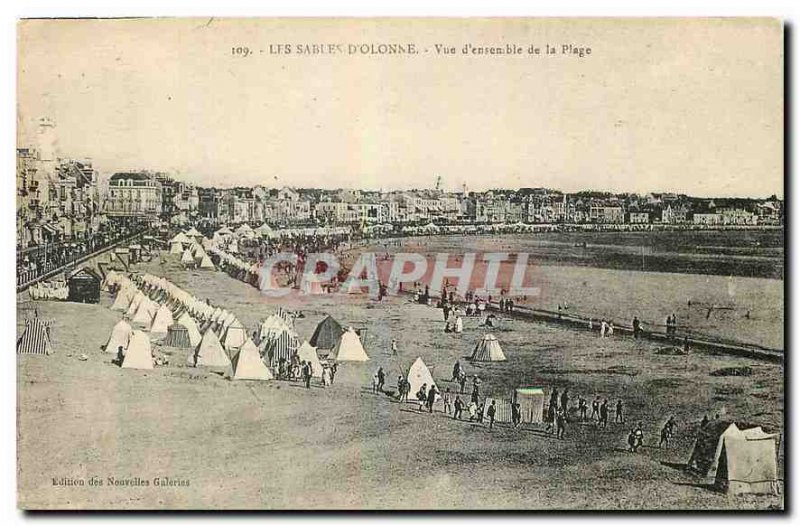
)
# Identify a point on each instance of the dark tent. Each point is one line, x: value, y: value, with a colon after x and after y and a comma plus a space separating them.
x: 327, y: 334
x: 84, y: 286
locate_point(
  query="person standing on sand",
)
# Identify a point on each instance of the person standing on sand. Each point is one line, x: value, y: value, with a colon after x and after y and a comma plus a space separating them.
x: 381, y: 379
x: 456, y: 370
x: 394, y: 347
x: 447, y: 401
x: 490, y: 412
x: 431, y: 398
x: 515, y: 414
x: 333, y: 371
x: 458, y: 408
x: 666, y: 432
x: 637, y: 327
x: 618, y: 415
x: 561, y: 423
x: 583, y: 407
x: 307, y: 374
x: 463, y: 381
x: 604, y: 414
x: 565, y: 402
x: 595, y: 409
x: 638, y: 437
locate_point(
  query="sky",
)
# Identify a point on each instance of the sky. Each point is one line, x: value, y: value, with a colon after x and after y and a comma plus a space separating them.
x: 662, y: 105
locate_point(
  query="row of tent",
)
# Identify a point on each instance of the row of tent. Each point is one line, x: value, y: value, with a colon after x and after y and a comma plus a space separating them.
x: 244, y: 231
x: 224, y: 341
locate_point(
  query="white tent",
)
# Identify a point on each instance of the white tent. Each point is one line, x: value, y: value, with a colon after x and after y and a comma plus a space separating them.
x: 418, y: 374
x: 206, y: 263
x: 187, y: 259
x: 123, y: 299
x: 488, y: 350
x: 120, y: 336
x: 161, y: 322
x: 134, y: 304
x: 247, y: 364
x: 193, y: 232
x: 145, y: 313
x: 235, y: 335
x: 349, y: 348
x: 307, y: 353
x: 191, y: 326
x: 138, y: 354
x: 176, y: 247
x: 180, y: 238
x: 737, y: 460
x: 209, y: 353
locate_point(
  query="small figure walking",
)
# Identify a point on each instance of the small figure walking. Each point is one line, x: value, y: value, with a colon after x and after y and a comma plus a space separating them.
x: 561, y: 423
x: 490, y: 413
x: 619, y: 417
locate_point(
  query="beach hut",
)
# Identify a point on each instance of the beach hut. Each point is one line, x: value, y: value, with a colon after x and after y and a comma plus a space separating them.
x: 531, y: 404
x: 737, y: 459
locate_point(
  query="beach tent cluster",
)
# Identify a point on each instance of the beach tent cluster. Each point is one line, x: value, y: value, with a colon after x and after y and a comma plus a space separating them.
x: 235, y: 266
x: 155, y: 311
x: 189, y: 246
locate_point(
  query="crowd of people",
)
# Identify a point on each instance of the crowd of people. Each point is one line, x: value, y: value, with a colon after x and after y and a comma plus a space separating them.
x: 38, y: 261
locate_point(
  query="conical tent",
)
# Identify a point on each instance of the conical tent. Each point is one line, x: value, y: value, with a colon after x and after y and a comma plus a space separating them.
x: 247, y: 364
x: 123, y: 299
x: 191, y: 326
x: 209, y: 353
x: 349, y: 348
x: 235, y: 335
x: 206, y: 263
x: 327, y: 334
x: 162, y: 321
x: 180, y: 238
x: 737, y: 460
x: 192, y: 232
x: 145, y: 313
x: 120, y: 336
x: 134, y: 304
x: 307, y: 353
x: 418, y: 375
x: 35, y: 338
x: 176, y: 247
x: 138, y: 354
x: 488, y: 350
x: 186, y: 258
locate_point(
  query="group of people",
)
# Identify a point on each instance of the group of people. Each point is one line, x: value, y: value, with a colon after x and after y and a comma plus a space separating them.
x: 558, y: 411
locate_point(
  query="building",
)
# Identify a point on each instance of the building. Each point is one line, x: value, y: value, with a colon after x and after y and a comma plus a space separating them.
x: 606, y: 214
x: 134, y: 194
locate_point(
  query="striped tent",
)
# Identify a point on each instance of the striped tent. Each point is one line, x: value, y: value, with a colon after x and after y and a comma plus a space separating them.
x: 488, y: 350
x: 283, y: 345
x: 177, y: 336
x: 35, y: 338
x: 502, y: 410
x: 531, y: 404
